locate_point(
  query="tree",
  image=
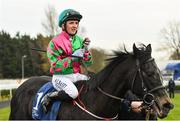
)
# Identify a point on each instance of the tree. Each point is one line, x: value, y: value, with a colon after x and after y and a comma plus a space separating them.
x: 5, y: 52
x: 171, y: 33
x: 12, y: 49
x: 43, y: 42
x: 50, y: 25
x: 98, y: 56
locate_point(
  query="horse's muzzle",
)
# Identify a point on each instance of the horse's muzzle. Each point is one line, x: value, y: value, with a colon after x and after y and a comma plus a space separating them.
x: 169, y: 106
x: 165, y: 110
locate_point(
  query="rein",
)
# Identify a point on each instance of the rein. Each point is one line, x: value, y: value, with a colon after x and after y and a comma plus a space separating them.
x: 109, y: 95
x: 90, y: 113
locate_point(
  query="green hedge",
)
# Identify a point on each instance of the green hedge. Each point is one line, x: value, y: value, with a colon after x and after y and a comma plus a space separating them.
x: 5, y: 94
x: 177, y: 87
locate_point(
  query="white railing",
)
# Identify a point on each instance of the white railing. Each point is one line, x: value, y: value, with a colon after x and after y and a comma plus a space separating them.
x: 6, y: 84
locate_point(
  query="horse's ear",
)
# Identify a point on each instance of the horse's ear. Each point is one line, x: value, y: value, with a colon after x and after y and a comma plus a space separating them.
x: 148, y: 48
x: 135, y: 49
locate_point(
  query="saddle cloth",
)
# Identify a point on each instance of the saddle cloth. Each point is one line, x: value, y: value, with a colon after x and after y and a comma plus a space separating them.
x: 37, y: 110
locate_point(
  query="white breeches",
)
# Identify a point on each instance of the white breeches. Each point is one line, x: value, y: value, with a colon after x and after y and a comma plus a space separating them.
x: 66, y: 83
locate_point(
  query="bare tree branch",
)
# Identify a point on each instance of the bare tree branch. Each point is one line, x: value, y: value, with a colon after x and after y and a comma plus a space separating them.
x: 171, y: 33
x: 50, y: 25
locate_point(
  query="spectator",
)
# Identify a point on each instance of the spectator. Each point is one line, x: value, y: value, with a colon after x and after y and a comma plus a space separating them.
x: 171, y: 87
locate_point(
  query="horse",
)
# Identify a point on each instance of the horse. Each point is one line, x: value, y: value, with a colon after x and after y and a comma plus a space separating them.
x: 102, y: 95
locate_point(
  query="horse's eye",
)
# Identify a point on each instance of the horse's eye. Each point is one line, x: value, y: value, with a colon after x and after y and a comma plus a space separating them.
x: 150, y: 74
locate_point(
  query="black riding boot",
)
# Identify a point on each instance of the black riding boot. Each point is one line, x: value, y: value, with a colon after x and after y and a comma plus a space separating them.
x: 49, y: 97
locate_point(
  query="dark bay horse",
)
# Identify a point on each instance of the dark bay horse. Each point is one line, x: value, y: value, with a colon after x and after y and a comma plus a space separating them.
x: 125, y: 71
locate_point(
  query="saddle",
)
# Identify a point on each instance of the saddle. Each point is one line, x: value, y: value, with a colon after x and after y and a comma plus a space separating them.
x: 37, y: 109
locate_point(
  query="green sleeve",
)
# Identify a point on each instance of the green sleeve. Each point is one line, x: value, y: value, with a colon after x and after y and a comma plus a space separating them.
x: 57, y: 62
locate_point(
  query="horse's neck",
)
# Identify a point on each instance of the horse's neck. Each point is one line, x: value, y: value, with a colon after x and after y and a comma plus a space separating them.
x: 112, y: 81
x: 100, y: 103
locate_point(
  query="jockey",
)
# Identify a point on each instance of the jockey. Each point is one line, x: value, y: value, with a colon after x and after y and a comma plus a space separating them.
x: 61, y: 52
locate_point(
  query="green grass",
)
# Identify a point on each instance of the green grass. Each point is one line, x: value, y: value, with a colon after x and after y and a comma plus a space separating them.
x: 173, y: 115
x: 4, y: 113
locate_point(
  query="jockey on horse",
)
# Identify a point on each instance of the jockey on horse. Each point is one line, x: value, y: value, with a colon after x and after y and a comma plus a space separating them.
x: 65, y: 67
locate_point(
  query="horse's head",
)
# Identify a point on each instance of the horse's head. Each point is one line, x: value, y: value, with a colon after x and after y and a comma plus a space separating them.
x: 147, y: 81
x: 137, y: 72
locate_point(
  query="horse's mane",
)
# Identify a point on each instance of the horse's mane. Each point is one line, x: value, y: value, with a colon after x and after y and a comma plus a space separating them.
x: 116, y: 58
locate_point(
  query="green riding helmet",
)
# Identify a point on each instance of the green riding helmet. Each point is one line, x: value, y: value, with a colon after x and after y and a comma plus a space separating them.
x: 69, y: 14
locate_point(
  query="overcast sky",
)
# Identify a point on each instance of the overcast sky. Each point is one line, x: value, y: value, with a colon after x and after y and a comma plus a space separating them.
x: 108, y: 22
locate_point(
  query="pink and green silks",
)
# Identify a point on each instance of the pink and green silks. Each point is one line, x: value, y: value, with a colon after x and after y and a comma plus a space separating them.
x: 59, y: 50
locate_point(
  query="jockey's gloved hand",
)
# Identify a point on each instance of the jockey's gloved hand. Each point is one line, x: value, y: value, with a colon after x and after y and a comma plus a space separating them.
x: 86, y: 43
x: 78, y: 53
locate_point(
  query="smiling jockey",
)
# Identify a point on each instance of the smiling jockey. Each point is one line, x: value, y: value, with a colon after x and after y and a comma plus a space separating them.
x: 64, y: 67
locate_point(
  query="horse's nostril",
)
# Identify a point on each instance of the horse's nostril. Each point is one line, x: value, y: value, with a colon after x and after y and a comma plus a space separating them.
x: 168, y: 105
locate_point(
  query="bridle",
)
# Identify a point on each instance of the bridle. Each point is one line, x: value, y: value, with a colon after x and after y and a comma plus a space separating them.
x: 139, y: 71
x: 146, y: 100
x: 148, y: 97
x: 147, y: 92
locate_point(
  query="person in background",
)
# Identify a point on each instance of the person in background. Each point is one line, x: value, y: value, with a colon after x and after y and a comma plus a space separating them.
x: 171, y: 88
